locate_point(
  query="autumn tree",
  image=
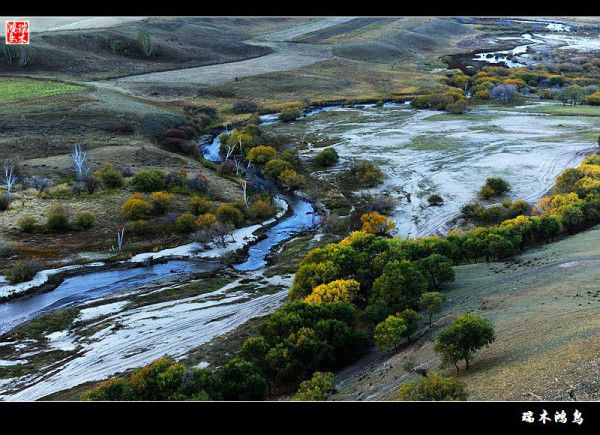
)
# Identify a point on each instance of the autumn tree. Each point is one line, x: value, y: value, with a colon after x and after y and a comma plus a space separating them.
x: 375, y: 223
x: 390, y: 332
x: 336, y: 291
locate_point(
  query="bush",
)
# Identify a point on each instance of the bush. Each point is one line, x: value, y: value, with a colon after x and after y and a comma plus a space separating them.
x: 435, y: 199
x: 4, y: 202
x: 22, y: 271
x: 27, y: 224
x: 151, y: 180
x: 493, y: 187
x: 136, y: 208
x: 261, y: 154
x: 433, y: 387
x: 227, y: 168
x: 290, y: 179
x: 160, y: 201
x: 6, y: 250
x: 327, y: 157
x: 227, y: 213
x: 140, y: 227
x: 366, y: 174
x: 85, y: 219
x: 319, y: 387
x: 290, y: 115
x: 58, y: 219
x: 245, y: 107
x: 110, y: 177
x: 261, y: 209
x: 199, y: 204
x: 185, y: 223
x: 199, y: 183
x: 275, y: 167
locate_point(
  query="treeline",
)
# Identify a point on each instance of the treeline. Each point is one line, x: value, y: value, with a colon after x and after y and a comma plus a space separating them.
x: 371, y: 285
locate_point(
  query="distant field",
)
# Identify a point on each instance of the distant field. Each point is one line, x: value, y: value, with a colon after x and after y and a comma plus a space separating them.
x: 15, y: 89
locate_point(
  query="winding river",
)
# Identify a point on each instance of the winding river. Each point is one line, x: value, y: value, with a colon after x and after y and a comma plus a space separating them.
x: 92, y: 284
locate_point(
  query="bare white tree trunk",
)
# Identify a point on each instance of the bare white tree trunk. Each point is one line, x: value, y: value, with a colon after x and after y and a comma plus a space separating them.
x: 246, y: 199
x: 10, y: 178
x: 79, y: 159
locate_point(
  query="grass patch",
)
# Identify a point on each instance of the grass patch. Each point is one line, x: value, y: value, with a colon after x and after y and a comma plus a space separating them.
x: 204, y: 285
x: 433, y: 143
x: 559, y: 109
x: 15, y: 89
x: 46, y: 324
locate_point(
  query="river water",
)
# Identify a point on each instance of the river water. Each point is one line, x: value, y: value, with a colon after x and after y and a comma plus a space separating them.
x: 92, y: 285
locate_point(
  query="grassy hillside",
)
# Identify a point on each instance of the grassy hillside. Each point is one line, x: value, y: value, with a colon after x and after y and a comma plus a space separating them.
x: 15, y: 89
x: 544, y: 305
x: 116, y: 51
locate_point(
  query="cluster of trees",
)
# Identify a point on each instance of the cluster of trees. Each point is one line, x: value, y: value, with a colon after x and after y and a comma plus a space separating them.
x: 504, y: 84
x: 451, y: 100
x: 242, y: 148
x: 507, y: 209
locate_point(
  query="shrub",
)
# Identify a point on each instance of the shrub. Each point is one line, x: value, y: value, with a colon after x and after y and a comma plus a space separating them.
x: 435, y: 199
x: 494, y: 186
x: 160, y: 201
x: 27, y: 224
x: 136, y: 208
x: 4, y: 202
x: 185, y: 223
x: 85, y: 219
x: 22, y: 271
x: 275, y: 167
x: 433, y: 387
x: 375, y: 223
x: 319, y: 387
x: 261, y: 154
x: 245, y: 107
x: 140, y: 227
x: 57, y: 219
x: 110, y: 177
x: 290, y: 179
x: 199, y: 183
x: 366, y: 174
x: 151, y: 180
x: 327, y: 157
x: 206, y: 220
x: 227, y: 213
x: 261, y: 209
x: 227, y: 168
x: 290, y: 115
x: 199, y: 204
x: 6, y: 250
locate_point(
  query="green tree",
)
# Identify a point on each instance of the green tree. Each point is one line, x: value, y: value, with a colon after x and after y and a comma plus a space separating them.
x: 565, y: 182
x: 400, y: 285
x: 242, y: 380
x: 463, y: 338
x: 432, y: 302
x: 319, y: 387
x: 390, y: 332
x: 412, y: 320
x: 433, y: 387
x: 437, y: 268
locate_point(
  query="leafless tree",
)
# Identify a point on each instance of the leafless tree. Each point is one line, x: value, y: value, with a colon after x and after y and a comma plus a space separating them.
x: 120, y: 238
x: 9, y: 177
x: 245, y: 190
x: 80, y: 163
